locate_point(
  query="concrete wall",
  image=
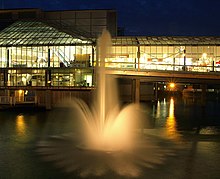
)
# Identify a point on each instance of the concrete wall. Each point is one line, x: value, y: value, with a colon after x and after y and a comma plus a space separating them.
x: 127, y: 90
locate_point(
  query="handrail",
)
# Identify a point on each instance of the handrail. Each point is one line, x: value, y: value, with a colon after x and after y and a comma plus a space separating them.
x: 12, y: 100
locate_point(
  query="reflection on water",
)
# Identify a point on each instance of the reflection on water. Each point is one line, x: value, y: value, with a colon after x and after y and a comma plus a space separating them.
x: 160, y: 111
x: 195, y: 155
x: 148, y: 153
x: 20, y: 125
x: 171, y: 127
x: 164, y: 115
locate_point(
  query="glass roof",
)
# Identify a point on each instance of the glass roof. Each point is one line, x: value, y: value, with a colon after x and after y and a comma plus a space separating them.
x: 37, y: 33
x: 166, y: 40
x: 29, y: 33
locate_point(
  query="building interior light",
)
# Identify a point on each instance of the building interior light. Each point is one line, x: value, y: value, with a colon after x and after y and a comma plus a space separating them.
x: 20, y: 92
x: 204, y: 55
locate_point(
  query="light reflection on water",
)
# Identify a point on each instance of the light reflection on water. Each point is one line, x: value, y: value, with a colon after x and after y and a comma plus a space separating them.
x: 171, y: 127
x: 20, y: 125
x: 164, y: 115
x: 200, y: 157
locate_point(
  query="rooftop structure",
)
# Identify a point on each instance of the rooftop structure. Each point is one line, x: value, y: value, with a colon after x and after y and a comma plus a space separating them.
x: 89, y: 23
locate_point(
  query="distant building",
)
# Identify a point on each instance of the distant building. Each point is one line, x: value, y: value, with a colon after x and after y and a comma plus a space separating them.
x: 48, y: 55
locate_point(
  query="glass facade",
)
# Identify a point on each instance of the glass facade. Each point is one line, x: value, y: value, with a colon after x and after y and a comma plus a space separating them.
x: 199, y: 54
x: 35, y: 54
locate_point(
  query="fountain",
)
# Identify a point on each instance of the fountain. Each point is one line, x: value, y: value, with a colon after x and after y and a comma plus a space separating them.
x: 110, y: 139
x: 107, y: 127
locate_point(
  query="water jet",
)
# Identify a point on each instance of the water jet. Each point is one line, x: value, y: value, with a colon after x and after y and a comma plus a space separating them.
x: 108, y: 137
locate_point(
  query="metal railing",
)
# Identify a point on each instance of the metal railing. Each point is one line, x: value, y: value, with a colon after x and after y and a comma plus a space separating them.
x: 162, y: 66
x: 6, y: 100
x: 117, y: 66
x: 12, y: 100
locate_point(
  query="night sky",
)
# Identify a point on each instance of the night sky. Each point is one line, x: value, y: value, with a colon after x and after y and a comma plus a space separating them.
x: 144, y: 17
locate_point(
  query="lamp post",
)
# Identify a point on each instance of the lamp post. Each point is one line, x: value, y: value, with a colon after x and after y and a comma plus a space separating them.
x: 184, y: 60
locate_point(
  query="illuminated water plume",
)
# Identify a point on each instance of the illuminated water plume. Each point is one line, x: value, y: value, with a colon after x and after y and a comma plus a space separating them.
x: 110, y: 137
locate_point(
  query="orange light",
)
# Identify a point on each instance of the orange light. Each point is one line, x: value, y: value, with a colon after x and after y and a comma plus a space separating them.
x: 20, y: 125
x: 171, y: 126
x: 172, y: 85
x: 20, y: 92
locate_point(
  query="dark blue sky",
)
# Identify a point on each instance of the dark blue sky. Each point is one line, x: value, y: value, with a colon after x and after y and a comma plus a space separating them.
x: 144, y: 17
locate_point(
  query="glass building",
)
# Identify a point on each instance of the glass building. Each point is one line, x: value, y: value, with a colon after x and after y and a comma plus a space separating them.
x: 38, y: 54
x: 35, y: 54
x: 200, y: 54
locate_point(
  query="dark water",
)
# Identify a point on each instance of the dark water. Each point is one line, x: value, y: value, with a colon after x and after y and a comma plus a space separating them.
x: 193, y: 130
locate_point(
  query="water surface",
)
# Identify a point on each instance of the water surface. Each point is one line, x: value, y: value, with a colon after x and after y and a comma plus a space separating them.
x: 192, y: 132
